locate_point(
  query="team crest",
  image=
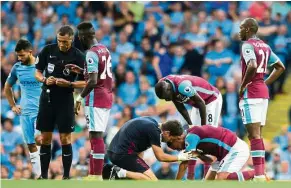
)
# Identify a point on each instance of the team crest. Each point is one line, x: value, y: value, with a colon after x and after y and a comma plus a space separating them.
x: 90, y: 60
x: 50, y: 67
x: 66, y: 72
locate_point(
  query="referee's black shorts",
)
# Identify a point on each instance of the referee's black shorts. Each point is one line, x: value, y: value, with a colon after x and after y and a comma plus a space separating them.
x: 56, y: 111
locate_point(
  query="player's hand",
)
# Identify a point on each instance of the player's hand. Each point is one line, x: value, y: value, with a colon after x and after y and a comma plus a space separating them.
x: 78, y: 104
x: 51, y: 81
x: 74, y: 68
x: 62, y: 82
x: 241, y: 91
x: 185, y: 156
x: 77, y: 107
x: 16, y: 110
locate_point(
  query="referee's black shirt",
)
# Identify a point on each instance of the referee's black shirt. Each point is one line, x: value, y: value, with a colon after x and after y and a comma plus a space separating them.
x: 52, y: 61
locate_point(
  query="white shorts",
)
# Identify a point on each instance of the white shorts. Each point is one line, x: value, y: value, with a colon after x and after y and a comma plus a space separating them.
x: 213, y: 111
x: 254, y: 110
x: 234, y: 160
x: 96, y: 118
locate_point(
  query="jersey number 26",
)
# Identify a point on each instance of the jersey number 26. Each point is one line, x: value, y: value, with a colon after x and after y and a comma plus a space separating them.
x: 107, y: 68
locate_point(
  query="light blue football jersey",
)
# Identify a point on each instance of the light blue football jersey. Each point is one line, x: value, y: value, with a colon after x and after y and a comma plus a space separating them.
x: 29, y: 86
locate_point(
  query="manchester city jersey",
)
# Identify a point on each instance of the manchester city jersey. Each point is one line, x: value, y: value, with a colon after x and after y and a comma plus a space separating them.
x: 30, y: 87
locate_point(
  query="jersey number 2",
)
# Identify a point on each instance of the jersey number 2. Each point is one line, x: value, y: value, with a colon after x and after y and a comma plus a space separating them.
x: 107, y: 66
x: 264, y: 61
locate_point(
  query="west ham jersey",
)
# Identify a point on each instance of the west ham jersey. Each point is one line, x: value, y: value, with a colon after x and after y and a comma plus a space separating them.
x: 98, y: 60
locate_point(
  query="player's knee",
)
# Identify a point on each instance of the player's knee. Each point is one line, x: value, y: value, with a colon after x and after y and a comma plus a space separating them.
x: 222, y: 176
x: 254, y: 136
x: 65, y: 139
x: 32, y: 148
x: 94, y: 134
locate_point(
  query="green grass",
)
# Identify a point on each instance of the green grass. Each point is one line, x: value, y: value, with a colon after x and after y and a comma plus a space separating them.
x: 139, y: 184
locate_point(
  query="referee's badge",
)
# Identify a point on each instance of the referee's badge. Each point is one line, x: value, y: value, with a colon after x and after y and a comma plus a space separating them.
x: 50, y: 67
x: 66, y: 72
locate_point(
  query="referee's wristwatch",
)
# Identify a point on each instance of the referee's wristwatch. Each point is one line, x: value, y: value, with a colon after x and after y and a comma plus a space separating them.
x: 79, y: 98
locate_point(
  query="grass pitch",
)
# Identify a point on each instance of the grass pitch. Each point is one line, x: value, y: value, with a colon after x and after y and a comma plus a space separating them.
x: 139, y: 184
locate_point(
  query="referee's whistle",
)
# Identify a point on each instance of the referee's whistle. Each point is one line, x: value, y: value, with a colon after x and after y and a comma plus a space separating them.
x: 48, y: 94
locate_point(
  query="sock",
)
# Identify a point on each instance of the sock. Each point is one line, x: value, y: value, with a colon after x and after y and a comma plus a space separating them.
x: 191, y: 169
x: 241, y: 176
x: 121, y: 173
x: 45, y: 158
x: 98, y: 155
x: 258, y: 156
x: 67, y: 157
x: 91, y: 167
x: 206, y: 168
x: 35, y: 161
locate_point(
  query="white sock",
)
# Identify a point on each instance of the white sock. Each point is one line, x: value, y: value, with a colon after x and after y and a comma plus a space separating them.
x: 35, y: 161
x: 121, y: 173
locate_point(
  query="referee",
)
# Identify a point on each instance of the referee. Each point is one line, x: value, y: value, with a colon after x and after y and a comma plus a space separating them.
x: 56, y: 108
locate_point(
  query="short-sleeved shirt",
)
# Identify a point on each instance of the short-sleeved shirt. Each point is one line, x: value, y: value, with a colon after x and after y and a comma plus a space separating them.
x: 136, y: 136
x: 259, y: 51
x: 216, y: 141
x: 98, y: 60
x: 52, y: 61
x: 186, y: 86
x: 30, y: 87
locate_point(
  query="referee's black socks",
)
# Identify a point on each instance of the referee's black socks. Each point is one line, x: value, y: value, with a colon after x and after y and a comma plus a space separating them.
x: 67, y: 157
x: 45, y: 157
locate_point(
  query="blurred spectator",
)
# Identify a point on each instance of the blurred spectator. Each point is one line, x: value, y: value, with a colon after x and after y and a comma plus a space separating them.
x: 129, y: 90
x: 197, y: 38
x: 218, y: 61
x: 257, y: 9
x: 220, y: 20
x: 193, y: 61
x: 124, y: 47
x: 9, y: 137
x: 281, y: 8
x: 268, y: 26
x: 165, y: 172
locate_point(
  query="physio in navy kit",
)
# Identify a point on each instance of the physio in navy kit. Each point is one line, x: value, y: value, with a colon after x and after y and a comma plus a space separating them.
x: 136, y: 136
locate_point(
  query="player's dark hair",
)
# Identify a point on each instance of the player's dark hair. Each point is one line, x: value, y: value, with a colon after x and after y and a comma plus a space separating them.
x: 87, y: 28
x: 66, y: 30
x: 159, y: 87
x: 23, y: 44
x: 173, y: 126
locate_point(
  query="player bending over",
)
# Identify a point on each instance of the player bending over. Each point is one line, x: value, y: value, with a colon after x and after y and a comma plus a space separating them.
x: 256, y: 55
x: 197, y: 92
x: 135, y: 136
x: 231, y: 152
x: 24, y: 70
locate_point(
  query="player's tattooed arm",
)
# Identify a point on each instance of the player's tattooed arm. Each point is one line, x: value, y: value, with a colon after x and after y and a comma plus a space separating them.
x: 201, y: 106
x: 279, y: 68
x: 183, y: 111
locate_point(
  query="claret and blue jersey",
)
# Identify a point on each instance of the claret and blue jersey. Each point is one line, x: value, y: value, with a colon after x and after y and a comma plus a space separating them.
x: 186, y: 86
x: 216, y: 141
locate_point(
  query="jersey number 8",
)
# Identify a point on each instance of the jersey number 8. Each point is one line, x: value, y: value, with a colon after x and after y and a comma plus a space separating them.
x: 107, y: 67
x: 264, y: 61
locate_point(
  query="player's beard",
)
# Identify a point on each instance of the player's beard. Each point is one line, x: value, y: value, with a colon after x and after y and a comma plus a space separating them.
x: 26, y: 62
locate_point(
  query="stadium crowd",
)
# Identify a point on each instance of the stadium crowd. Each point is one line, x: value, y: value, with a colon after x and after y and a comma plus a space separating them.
x: 147, y: 41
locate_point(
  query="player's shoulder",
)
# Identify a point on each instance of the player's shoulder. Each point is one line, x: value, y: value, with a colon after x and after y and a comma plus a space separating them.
x: 16, y: 65
x: 78, y: 52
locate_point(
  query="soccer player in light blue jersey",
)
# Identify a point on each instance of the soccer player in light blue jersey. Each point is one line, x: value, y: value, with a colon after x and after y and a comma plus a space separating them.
x: 23, y: 71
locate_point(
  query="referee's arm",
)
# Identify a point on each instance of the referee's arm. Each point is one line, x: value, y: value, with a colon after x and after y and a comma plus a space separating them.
x: 40, y: 65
